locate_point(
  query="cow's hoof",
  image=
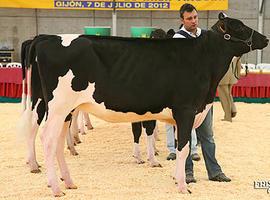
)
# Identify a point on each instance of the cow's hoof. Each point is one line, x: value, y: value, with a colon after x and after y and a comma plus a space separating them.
x: 59, y: 194
x: 35, y: 171
x: 140, y: 162
x: 90, y: 128
x: 184, y: 191
x: 74, y: 153
x: 77, y: 140
x: 71, y: 186
x: 156, y: 164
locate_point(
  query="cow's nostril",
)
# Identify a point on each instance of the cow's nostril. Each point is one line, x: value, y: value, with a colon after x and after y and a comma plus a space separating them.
x: 267, y: 40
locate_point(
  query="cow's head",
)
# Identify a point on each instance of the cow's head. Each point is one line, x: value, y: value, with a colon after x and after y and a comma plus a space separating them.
x: 234, y: 30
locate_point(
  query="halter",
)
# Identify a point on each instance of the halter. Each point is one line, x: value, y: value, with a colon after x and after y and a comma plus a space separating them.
x: 248, y: 41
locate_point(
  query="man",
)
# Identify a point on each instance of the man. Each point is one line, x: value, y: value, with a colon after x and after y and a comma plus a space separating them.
x: 189, y: 19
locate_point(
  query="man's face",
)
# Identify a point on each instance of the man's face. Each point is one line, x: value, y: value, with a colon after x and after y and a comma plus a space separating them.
x: 190, y: 21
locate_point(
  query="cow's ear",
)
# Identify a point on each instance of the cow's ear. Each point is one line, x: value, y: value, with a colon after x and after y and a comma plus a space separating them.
x: 222, y: 16
x: 222, y: 27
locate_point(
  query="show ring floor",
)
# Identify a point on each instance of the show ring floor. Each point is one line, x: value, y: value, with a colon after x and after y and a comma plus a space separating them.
x: 105, y: 168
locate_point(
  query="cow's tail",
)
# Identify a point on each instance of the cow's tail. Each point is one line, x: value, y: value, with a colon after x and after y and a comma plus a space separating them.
x: 24, y: 53
x: 25, y: 122
x: 24, y: 126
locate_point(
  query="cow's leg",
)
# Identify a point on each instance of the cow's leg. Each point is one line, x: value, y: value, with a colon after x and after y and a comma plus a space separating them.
x: 156, y: 138
x: 31, y: 157
x: 81, y: 123
x: 87, y: 121
x: 37, y: 116
x: 61, y: 159
x: 70, y: 144
x: 137, y: 131
x: 70, y: 140
x: 50, y: 138
x: 156, y: 133
x: 149, y: 127
x: 184, y: 119
x: 74, y: 127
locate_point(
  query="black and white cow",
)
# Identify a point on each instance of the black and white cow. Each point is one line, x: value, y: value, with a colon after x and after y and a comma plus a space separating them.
x: 133, y: 79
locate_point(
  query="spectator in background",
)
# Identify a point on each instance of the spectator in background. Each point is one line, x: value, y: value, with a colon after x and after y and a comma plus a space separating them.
x: 225, y: 89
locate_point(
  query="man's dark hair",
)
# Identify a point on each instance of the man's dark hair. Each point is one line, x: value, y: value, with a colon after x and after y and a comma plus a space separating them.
x: 158, y: 33
x: 186, y: 8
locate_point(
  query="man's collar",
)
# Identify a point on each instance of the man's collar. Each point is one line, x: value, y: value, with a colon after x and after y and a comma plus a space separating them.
x: 198, y: 33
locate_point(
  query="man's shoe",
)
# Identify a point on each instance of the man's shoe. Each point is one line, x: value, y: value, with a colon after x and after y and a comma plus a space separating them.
x: 220, y: 178
x: 195, y: 157
x: 190, y: 179
x: 171, y: 156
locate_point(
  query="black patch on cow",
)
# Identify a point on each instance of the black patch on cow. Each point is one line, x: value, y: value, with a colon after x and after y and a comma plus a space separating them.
x: 68, y: 118
x: 40, y: 111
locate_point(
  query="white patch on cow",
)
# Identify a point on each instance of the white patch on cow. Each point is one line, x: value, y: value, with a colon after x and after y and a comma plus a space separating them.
x: 68, y: 38
x: 180, y: 177
x: 65, y: 98
x: 100, y: 111
x: 137, y: 154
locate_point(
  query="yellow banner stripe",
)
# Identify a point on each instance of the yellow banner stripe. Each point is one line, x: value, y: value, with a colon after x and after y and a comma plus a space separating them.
x: 120, y: 4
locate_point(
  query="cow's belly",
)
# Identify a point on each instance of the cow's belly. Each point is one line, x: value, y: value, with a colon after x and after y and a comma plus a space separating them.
x: 165, y: 115
x: 101, y: 112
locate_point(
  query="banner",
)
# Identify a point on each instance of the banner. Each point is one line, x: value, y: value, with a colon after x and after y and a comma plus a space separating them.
x: 118, y: 4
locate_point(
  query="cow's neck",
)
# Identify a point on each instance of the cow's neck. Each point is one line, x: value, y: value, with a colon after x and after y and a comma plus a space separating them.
x: 221, y: 56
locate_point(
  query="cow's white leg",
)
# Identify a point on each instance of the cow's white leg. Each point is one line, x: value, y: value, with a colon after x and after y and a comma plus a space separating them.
x: 31, y: 129
x: 151, y: 152
x: 70, y: 143
x: 154, y: 146
x: 49, y: 138
x: 180, y: 174
x: 156, y: 133
x: 61, y: 159
x: 31, y: 157
x: 74, y: 127
x: 87, y: 121
x: 81, y: 123
x: 137, y: 154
